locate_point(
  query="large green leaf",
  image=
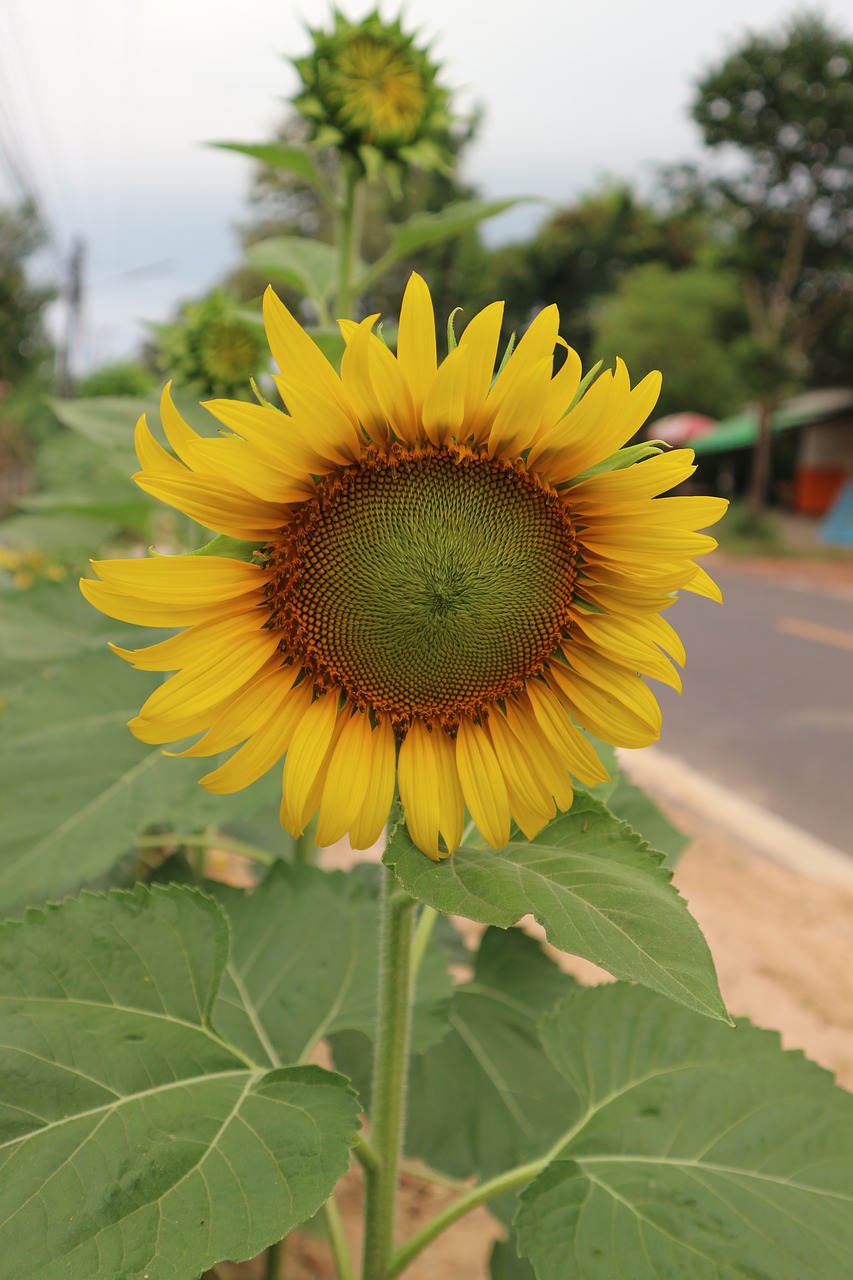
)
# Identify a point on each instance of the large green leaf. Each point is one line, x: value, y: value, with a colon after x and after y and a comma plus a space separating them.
x: 504, y: 1264
x: 308, y: 266
x: 484, y: 1098
x: 279, y: 156
x: 51, y: 622
x: 701, y: 1153
x: 79, y: 788
x: 594, y: 885
x: 423, y: 229
x: 305, y: 958
x: 134, y: 1139
x: 431, y: 228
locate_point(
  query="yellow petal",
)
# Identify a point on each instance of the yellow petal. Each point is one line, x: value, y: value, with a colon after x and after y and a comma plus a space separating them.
x: 630, y: 642
x: 285, y: 442
x: 146, y: 613
x: 305, y: 757
x: 574, y: 751
x: 190, y: 697
x: 151, y: 454
x: 561, y: 390
x: 347, y: 779
x: 355, y: 375
x: 182, y: 580
x: 534, y: 351
x: 252, y: 708
x: 215, y: 505
x: 530, y: 801
x: 376, y: 804
x: 558, y: 454
x: 199, y: 646
x: 416, y: 348
x: 644, y: 479
x: 443, y: 415
x: 285, y: 709
x: 300, y: 359
x: 234, y: 462
x: 482, y: 782
x: 479, y: 341
x: 703, y: 585
x: 550, y: 768
x: 517, y: 419
x: 608, y: 701
x: 429, y: 790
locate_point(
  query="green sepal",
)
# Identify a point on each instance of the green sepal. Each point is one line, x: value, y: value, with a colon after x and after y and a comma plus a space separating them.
x: 230, y: 548
x: 585, y: 383
x: 617, y: 461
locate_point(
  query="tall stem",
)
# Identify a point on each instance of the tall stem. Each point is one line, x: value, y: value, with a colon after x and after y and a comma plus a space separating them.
x: 348, y: 236
x: 390, y: 1070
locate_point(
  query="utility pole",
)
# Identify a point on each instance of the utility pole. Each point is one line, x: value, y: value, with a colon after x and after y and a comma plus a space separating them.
x: 73, y: 295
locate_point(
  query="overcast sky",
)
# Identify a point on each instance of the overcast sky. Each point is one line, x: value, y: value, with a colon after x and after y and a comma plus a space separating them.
x: 105, y: 105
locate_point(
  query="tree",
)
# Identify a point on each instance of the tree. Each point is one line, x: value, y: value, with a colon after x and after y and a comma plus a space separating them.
x: 783, y: 105
x: 23, y: 341
x: 683, y: 321
x: 581, y: 253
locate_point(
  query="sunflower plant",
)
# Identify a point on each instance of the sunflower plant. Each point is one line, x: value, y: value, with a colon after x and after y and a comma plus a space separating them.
x: 437, y: 583
x: 436, y: 586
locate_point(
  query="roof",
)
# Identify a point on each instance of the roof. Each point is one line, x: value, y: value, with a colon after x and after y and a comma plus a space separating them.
x: 741, y: 431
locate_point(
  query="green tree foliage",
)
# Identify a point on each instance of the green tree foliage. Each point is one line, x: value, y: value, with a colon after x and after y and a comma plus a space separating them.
x: 783, y: 103
x: 683, y: 321
x: 23, y: 341
x: 581, y: 253
x: 123, y: 378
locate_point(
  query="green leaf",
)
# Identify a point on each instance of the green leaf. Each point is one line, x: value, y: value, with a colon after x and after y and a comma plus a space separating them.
x: 594, y: 885
x: 702, y: 1153
x: 79, y: 788
x: 279, y: 156
x: 505, y: 1264
x: 330, y: 340
x: 134, y: 1139
x: 50, y: 622
x: 431, y: 228
x: 630, y: 803
x: 308, y: 266
x: 318, y: 975
x: 484, y: 1098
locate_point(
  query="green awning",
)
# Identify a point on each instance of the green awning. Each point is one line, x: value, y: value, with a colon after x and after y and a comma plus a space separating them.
x: 741, y: 430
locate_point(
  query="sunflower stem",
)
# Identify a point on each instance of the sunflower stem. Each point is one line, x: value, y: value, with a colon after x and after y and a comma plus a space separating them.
x: 275, y: 1260
x: 340, y: 1252
x: 207, y: 840
x: 464, y: 1205
x: 390, y: 1071
x: 348, y: 234
x: 304, y: 846
x: 423, y: 933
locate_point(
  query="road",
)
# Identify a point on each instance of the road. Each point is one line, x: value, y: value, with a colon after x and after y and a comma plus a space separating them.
x: 767, y: 707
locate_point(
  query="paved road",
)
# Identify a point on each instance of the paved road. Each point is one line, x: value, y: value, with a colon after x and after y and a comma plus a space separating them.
x: 767, y: 708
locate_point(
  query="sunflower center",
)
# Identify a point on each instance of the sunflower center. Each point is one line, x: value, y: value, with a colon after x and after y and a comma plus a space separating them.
x: 427, y: 584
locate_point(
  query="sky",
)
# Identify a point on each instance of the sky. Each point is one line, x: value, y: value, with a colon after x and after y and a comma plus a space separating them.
x: 106, y: 106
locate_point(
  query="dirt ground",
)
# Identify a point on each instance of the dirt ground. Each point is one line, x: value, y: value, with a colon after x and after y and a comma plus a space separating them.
x: 783, y: 945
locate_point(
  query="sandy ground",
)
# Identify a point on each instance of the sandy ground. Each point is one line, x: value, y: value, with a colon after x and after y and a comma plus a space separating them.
x: 783, y: 945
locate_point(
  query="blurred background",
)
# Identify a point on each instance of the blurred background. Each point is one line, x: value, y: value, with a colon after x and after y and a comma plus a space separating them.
x: 691, y: 208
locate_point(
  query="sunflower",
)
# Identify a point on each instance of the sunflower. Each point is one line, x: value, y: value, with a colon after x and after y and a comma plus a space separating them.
x: 368, y: 89
x: 450, y: 575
